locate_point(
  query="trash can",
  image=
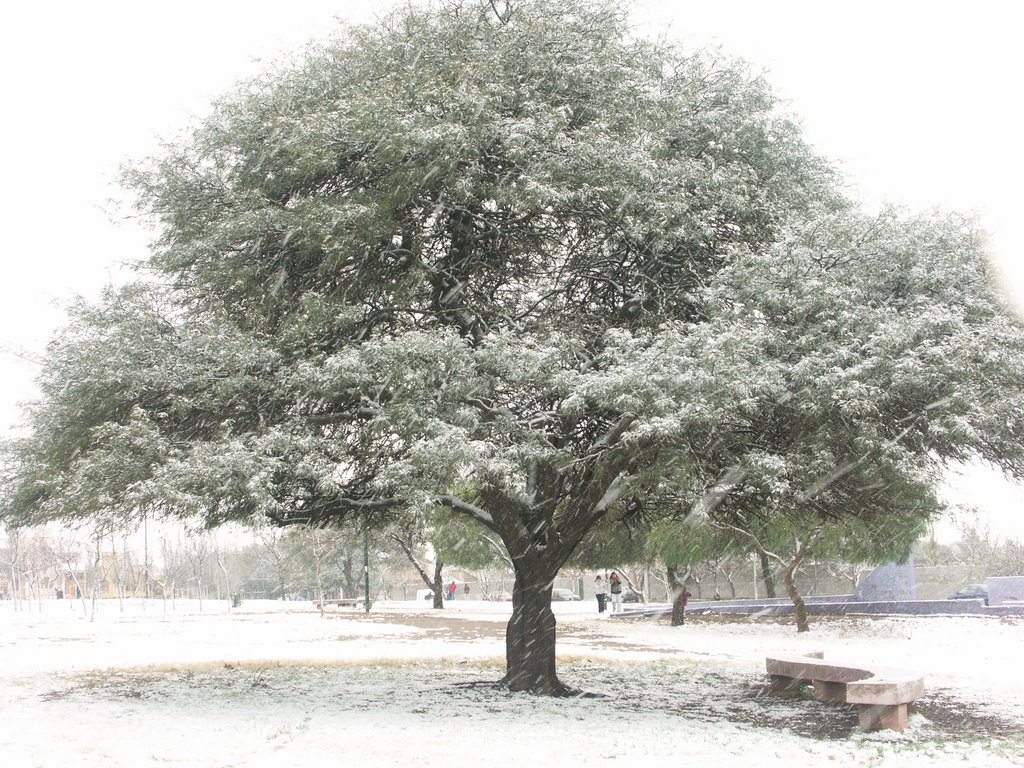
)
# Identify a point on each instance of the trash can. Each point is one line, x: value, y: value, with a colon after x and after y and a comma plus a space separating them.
x: 236, y: 600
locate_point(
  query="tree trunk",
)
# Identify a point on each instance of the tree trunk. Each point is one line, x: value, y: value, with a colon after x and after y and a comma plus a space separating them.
x: 319, y: 587
x: 677, y: 584
x: 789, y: 579
x: 766, y: 575
x: 437, y: 586
x: 433, y: 582
x: 530, y: 636
x: 349, y: 575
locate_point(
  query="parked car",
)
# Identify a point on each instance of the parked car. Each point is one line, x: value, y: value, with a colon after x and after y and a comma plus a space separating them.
x: 563, y: 594
x: 971, y: 592
x: 629, y: 596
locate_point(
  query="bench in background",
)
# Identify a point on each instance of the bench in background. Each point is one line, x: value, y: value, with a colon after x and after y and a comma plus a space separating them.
x: 349, y: 602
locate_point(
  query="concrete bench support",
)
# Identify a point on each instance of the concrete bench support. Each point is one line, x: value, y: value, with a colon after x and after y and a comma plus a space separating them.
x: 882, y: 699
x: 873, y: 717
x: 829, y: 693
x: 783, y: 684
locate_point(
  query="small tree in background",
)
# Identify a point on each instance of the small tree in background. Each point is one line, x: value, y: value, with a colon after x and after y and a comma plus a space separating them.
x: 979, y: 547
x: 277, y: 559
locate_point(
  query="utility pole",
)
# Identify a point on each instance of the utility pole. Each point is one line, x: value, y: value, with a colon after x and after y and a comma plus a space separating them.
x: 145, y: 558
x: 366, y: 569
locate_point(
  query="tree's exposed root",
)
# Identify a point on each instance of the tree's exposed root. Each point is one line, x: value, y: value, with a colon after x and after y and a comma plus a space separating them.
x: 558, y: 690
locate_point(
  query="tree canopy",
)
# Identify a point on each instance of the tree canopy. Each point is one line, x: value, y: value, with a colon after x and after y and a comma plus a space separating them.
x: 531, y: 255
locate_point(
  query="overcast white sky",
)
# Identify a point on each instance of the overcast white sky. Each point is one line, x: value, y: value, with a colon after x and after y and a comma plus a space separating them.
x: 917, y: 101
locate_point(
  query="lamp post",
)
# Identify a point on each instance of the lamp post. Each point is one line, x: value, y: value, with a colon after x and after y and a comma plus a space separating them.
x: 366, y: 570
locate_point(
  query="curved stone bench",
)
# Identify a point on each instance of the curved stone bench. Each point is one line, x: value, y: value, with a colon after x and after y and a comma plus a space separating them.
x: 881, y: 695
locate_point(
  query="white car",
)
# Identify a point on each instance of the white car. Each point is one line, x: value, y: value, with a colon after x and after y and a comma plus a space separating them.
x: 564, y: 594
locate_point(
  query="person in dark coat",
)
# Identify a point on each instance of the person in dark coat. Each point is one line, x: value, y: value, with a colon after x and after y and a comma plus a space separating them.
x: 615, y: 587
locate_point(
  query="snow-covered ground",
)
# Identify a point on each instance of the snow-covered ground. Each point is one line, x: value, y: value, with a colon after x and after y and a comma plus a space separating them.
x: 276, y: 684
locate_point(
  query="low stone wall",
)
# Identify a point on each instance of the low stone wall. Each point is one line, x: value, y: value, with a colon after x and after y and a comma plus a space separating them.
x: 931, y: 583
x: 853, y: 607
x: 938, y: 582
x: 770, y: 601
x: 1005, y: 590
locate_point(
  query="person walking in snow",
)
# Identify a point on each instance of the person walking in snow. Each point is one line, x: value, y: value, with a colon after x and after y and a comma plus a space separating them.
x: 600, y: 593
x: 615, y: 586
x: 451, y: 590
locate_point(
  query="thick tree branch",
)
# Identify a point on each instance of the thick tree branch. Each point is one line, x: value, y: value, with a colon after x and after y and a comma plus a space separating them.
x: 412, y: 559
x: 500, y: 551
x: 457, y: 504
x: 611, y: 437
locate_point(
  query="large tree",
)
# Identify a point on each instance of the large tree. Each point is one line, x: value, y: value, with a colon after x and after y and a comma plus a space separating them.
x: 514, y: 249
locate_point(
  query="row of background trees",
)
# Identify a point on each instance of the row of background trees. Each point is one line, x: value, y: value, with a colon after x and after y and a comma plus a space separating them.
x: 305, y: 563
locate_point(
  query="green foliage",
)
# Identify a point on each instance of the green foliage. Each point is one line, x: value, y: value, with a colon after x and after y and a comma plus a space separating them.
x: 446, y: 168
x: 691, y: 541
x: 536, y: 257
x: 463, y: 543
x: 610, y: 544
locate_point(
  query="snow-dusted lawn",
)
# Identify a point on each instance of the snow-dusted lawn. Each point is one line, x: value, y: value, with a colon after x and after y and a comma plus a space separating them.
x: 275, y: 684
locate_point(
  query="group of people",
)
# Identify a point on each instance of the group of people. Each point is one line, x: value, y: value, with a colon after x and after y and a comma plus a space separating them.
x: 450, y: 590
x: 603, y: 591
x: 614, y: 588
